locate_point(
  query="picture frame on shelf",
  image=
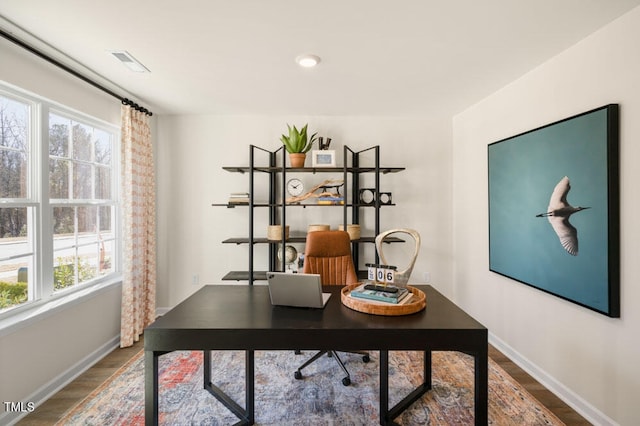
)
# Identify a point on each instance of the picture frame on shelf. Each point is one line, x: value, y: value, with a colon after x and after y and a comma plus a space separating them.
x: 323, y: 158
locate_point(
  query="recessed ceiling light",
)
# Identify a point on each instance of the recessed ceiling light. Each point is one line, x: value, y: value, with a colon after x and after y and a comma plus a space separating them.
x: 129, y: 61
x: 308, y: 61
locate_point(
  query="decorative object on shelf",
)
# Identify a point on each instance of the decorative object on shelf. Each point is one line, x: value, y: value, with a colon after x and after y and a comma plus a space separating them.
x: 353, y: 230
x: 290, y: 257
x: 385, y: 199
x: 401, y: 277
x: 290, y: 253
x: 295, y: 187
x: 239, y: 198
x: 274, y: 232
x: 297, y: 144
x: 322, y: 144
x: 318, y: 227
x: 324, y: 187
x: 323, y: 158
x: 367, y: 197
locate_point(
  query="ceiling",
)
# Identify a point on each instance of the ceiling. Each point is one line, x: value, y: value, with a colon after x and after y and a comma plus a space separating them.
x: 379, y: 57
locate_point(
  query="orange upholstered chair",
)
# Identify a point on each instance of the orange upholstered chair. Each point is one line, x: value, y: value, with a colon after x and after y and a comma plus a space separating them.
x: 328, y: 253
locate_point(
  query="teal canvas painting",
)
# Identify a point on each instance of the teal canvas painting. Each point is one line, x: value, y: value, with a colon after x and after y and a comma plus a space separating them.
x: 554, y: 209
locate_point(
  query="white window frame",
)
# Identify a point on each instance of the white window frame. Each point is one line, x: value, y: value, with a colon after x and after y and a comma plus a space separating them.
x: 44, y: 298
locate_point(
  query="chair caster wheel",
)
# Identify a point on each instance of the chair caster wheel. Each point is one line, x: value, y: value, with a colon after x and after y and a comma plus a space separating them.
x: 297, y: 375
x: 346, y: 381
x: 365, y: 358
x: 297, y: 352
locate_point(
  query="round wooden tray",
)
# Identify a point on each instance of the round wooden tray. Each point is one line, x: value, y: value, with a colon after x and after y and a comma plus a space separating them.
x: 417, y: 303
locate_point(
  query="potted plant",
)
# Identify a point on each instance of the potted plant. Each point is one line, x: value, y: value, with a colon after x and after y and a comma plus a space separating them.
x: 297, y: 144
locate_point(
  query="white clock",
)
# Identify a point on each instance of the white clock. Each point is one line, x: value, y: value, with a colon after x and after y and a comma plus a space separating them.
x: 295, y: 187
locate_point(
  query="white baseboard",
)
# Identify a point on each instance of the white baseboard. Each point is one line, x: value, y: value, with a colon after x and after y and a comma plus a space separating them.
x: 55, y: 385
x: 586, y: 410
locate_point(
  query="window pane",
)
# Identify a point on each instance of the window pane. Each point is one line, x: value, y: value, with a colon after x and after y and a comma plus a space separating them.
x: 87, y: 222
x: 59, y: 136
x: 81, y: 142
x: 103, y: 183
x: 16, y: 257
x: 14, y: 148
x: 59, y: 179
x: 13, y: 231
x: 75, y: 265
x: 107, y: 250
x: 79, y: 252
x: 63, y: 223
x: 103, y: 146
x: 106, y: 213
x: 82, y: 182
x: 14, y: 281
x: 64, y: 271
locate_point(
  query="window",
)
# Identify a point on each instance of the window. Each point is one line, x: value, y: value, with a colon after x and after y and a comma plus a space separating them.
x: 58, y: 200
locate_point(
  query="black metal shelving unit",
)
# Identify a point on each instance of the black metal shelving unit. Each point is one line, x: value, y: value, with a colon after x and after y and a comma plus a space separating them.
x: 352, y: 172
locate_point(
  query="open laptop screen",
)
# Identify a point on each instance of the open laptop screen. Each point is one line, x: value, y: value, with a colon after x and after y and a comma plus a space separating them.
x: 300, y: 290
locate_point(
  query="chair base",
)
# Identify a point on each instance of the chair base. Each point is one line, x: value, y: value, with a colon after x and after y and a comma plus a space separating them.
x: 346, y: 381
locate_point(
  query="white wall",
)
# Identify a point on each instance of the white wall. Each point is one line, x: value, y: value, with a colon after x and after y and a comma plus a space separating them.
x: 589, y: 357
x: 192, y: 151
x: 34, y: 359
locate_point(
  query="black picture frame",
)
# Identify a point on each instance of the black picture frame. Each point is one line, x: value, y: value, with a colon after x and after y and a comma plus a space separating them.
x: 537, y: 233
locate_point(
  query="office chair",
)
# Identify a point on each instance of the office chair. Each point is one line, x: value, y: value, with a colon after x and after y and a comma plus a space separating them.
x: 328, y: 253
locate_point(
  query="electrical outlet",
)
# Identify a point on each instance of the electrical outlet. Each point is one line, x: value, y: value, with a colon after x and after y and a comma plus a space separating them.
x: 427, y: 277
x: 195, y: 279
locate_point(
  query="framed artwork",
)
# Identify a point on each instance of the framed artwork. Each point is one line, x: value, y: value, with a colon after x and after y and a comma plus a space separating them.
x: 554, y: 209
x: 323, y: 158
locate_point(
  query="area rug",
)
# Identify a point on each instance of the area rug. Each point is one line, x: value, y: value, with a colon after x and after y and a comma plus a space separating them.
x: 318, y: 399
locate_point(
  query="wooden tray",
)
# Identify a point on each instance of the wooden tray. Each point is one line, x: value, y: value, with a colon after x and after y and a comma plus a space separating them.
x: 417, y: 303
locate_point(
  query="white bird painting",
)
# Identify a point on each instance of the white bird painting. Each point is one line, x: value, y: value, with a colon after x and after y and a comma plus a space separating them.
x: 558, y: 213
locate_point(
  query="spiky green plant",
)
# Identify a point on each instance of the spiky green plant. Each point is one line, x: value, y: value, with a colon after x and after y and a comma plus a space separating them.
x: 297, y: 141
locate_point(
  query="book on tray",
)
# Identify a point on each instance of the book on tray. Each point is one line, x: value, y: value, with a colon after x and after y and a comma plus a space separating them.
x: 397, y: 297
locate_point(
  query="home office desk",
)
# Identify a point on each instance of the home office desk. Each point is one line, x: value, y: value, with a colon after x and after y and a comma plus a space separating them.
x: 239, y: 317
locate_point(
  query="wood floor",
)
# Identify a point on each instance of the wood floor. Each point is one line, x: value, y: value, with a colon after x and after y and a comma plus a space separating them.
x: 54, y: 408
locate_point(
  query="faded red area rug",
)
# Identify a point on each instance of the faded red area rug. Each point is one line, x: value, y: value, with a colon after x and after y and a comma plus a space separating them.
x: 318, y: 399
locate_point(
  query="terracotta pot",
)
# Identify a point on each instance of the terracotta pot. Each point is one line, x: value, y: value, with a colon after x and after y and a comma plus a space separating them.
x: 297, y: 159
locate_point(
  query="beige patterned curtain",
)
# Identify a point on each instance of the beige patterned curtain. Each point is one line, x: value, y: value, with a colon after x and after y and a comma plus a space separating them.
x: 139, y: 226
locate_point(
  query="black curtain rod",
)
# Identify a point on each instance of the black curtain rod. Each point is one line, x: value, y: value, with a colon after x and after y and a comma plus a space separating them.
x: 73, y: 72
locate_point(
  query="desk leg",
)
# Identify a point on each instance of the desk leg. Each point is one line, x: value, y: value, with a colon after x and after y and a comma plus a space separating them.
x: 481, y: 400
x: 206, y: 365
x: 151, y: 388
x: 386, y: 414
x: 384, y: 387
x: 245, y: 415
x: 250, y: 386
x: 426, y: 362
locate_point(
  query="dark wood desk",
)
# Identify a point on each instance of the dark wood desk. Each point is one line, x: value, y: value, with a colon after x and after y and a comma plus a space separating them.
x: 238, y: 317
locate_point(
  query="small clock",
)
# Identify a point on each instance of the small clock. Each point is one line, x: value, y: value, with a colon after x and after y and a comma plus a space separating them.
x: 295, y: 187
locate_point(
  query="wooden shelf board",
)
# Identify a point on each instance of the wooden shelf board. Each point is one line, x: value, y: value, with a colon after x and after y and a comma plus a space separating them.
x: 246, y: 169
x: 302, y: 239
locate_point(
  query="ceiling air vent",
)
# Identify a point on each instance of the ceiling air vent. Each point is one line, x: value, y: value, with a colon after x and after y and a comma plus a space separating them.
x: 129, y: 61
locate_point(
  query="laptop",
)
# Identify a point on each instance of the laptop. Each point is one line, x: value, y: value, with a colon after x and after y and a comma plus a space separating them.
x: 300, y: 290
